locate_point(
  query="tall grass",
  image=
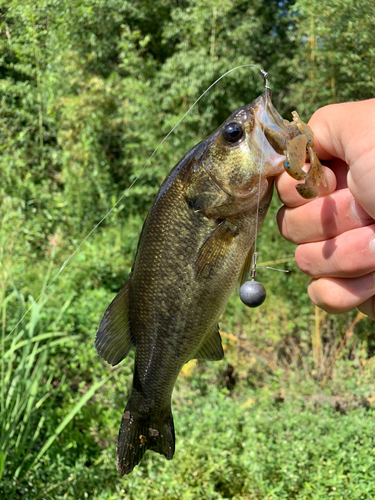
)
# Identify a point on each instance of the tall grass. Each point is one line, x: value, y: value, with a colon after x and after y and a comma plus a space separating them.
x: 26, y: 383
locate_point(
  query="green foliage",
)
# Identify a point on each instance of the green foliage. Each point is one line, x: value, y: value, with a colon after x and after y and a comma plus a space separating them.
x: 27, y: 388
x: 336, y: 59
x: 294, y: 451
x: 87, y: 91
x: 234, y: 449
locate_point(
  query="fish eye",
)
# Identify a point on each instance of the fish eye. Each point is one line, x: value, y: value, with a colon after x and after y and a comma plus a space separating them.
x: 233, y: 132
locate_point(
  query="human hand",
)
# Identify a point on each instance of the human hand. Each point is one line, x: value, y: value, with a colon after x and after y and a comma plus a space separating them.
x: 335, y: 232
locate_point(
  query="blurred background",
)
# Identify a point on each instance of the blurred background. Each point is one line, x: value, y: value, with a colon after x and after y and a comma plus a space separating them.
x: 88, y: 89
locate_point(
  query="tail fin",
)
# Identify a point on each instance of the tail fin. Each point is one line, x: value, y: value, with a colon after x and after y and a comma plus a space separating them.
x: 138, y: 435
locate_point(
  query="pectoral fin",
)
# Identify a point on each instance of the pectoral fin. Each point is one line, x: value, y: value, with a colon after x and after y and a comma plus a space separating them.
x: 214, y: 249
x: 212, y: 349
x: 113, y: 339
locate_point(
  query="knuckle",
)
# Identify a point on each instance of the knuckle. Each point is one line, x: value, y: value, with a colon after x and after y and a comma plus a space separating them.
x: 303, y: 261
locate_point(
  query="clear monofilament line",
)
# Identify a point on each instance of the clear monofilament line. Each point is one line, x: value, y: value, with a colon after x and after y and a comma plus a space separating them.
x: 268, y: 90
x: 129, y: 188
x: 274, y: 269
x: 258, y: 199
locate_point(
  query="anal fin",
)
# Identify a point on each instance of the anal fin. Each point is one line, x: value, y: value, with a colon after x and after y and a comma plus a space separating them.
x: 113, y: 339
x: 212, y: 348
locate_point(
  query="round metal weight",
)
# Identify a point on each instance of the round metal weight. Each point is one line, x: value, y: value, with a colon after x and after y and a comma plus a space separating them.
x: 252, y: 293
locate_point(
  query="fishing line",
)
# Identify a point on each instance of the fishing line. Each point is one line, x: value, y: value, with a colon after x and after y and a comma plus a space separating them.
x: 274, y: 269
x: 259, y: 181
x: 268, y: 93
x: 252, y: 293
x: 131, y: 185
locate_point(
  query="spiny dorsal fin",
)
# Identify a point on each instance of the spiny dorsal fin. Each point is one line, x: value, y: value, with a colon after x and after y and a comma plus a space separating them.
x: 113, y: 339
x: 214, y: 249
x: 212, y: 349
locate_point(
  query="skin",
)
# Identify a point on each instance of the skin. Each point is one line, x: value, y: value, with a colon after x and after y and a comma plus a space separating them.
x: 335, y: 232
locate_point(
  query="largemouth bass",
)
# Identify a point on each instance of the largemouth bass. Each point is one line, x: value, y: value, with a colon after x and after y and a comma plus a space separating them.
x: 195, y: 247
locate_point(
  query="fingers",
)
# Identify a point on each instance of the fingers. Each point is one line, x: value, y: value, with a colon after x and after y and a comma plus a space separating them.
x: 349, y: 255
x: 286, y: 188
x: 338, y: 295
x: 336, y: 231
x: 340, y: 168
x: 333, y: 138
x: 346, y: 131
x: 323, y: 218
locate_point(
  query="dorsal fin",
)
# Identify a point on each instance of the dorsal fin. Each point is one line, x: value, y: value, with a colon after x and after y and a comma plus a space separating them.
x: 113, y: 339
x: 212, y: 348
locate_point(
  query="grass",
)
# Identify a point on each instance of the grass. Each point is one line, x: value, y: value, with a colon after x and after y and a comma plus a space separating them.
x: 27, y: 394
x: 287, y: 414
x: 235, y: 449
x: 253, y: 449
x: 275, y: 435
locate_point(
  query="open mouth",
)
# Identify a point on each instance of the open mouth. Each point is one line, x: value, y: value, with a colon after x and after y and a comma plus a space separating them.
x: 270, y: 134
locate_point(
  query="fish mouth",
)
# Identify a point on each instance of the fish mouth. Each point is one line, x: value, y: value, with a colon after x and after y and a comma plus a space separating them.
x: 270, y: 133
x: 268, y: 115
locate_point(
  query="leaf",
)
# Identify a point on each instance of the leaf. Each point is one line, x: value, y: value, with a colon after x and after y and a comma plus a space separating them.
x: 1, y: 464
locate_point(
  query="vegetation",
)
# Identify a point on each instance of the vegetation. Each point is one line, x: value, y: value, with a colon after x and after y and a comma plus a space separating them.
x: 88, y: 90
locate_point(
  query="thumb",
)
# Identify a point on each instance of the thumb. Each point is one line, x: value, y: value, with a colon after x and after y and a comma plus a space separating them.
x: 346, y: 131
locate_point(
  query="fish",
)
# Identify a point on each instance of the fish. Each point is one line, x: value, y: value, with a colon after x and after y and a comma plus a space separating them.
x: 195, y: 247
